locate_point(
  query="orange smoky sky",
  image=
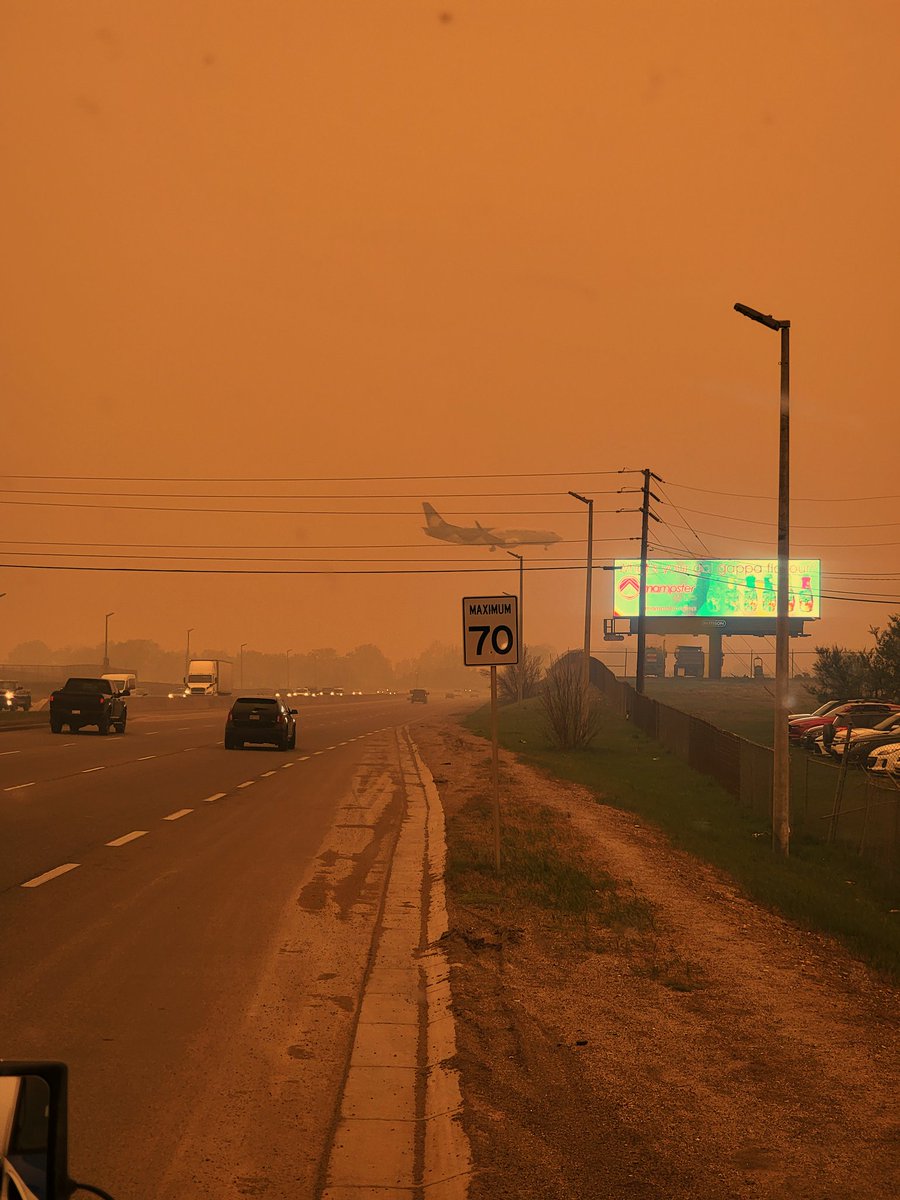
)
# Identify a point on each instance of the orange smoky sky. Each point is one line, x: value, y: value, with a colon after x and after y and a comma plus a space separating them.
x: 315, y: 242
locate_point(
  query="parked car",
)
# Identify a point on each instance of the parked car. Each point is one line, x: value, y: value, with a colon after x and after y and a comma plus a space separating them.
x: 819, y: 712
x: 14, y: 695
x: 885, y: 760
x: 857, y: 712
x: 864, y: 739
x: 418, y: 696
x: 260, y: 719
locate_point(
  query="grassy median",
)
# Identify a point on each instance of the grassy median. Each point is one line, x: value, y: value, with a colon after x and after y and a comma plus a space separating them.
x: 822, y: 887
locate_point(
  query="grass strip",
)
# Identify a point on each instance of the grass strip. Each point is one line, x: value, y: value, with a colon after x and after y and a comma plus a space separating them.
x: 820, y: 887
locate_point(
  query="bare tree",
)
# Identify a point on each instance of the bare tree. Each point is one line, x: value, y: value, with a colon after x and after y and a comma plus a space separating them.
x: 572, y: 713
x: 530, y: 669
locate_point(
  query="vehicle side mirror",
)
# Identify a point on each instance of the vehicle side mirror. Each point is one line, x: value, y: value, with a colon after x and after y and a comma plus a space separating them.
x: 126, y: 692
x: 293, y: 712
x: 33, y: 1128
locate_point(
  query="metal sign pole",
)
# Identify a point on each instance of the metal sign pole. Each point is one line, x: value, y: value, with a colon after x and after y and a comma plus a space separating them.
x: 495, y: 769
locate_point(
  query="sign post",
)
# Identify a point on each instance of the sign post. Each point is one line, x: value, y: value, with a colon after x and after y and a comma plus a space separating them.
x: 490, y: 628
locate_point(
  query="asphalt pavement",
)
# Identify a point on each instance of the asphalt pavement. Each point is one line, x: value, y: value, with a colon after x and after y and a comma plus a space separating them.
x: 189, y: 928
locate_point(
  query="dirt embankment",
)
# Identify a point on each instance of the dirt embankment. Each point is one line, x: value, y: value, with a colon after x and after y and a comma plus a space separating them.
x: 710, y: 1050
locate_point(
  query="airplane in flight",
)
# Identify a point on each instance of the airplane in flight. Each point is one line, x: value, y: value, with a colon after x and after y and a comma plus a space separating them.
x: 479, y: 535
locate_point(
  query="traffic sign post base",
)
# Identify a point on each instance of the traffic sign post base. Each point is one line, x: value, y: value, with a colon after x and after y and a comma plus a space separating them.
x: 495, y: 769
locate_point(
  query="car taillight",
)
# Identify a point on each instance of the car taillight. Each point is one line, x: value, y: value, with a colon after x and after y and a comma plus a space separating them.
x: 102, y: 699
x: 230, y: 717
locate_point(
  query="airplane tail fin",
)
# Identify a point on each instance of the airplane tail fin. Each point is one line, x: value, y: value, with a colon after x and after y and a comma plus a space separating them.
x: 432, y: 517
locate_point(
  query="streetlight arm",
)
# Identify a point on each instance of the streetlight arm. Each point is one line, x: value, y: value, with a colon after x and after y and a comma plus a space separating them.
x: 763, y: 318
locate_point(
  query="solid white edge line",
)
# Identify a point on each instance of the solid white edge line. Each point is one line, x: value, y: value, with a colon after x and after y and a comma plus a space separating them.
x: 182, y: 812
x: 146, y: 757
x: 48, y: 875
x: 18, y: 786
x: 128, y: 837
x: 88, y: 770
x: 217, y: 796
x: 4, y: 753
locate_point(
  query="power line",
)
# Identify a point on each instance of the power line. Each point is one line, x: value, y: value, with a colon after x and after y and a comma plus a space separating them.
x: 290, y: 496
x: 754, y: 521
x: 295, y: 512
x: 321, y: 478
x: 805, y: 499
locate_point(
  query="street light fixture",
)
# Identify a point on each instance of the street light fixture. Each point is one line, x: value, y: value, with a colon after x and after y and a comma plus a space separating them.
x: 520, y: 669
x: 781, y: 777
x: 106, y: 641
x: 587, y: 598
x: 243, y: 644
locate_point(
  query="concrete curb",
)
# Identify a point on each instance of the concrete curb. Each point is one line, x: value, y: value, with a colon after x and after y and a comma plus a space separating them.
x: 398, y: 1133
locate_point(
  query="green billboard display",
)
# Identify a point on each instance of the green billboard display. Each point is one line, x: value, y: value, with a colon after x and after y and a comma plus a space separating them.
x: 716, y: 587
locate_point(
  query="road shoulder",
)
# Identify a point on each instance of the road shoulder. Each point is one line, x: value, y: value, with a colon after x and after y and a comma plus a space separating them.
x: 672, y: 1040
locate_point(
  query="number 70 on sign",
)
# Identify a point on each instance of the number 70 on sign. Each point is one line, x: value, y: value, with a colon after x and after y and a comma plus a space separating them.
x: 490, y: 630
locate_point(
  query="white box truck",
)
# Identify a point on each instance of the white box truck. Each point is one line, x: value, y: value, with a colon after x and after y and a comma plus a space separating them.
x: 208, y: 677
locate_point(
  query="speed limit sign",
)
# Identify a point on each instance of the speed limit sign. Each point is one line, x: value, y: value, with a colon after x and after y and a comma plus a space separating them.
x: 490, y: 631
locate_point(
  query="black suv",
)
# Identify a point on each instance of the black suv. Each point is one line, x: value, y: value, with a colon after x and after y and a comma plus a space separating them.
x: 260, y: 719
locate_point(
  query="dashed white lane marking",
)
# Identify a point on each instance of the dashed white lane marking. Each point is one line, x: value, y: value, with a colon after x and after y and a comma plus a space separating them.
x: 342, y: 743
x: 155, y: 733
x: 303, y: 758
x: 183, y: 729
x: 217, y: 796
x: 315, y: 753
x: 88, y: 770
x: 18, y: 786
x: 247, y: 783
x: 146, y: 757
x: 175, y: 816
x: 128, y: 837
x: 265, y: 774
x: 48, y: 875
x: 327, y: 748
x: 188, y: 749
x: 4, y: 753
x: 284, y: 766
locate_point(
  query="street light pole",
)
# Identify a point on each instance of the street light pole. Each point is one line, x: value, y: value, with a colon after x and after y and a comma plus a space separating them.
x: 243, y: 644
x: 587, y: 596
x: 520, y: 669
x: 187, y: 653
x: 781, y: 776
x: 288, y: 660
x: 106, y: 641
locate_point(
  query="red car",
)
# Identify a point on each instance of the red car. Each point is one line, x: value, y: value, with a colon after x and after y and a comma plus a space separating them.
x: 859, y: 712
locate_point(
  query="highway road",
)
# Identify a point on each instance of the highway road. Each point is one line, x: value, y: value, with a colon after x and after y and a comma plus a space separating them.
x: 188, y: 928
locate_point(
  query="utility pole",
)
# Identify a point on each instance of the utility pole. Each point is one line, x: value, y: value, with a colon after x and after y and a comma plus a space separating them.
x: 646, y: 514
x: 520, y: 667
x: 241, y: 685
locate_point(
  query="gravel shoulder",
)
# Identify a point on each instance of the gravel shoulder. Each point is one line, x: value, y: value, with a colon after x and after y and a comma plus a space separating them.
x: 718, y: 1052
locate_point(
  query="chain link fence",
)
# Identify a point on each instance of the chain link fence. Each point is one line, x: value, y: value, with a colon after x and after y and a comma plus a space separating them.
x: 853, y: 806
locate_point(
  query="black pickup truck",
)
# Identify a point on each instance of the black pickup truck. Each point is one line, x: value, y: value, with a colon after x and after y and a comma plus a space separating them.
x: 88, y: 702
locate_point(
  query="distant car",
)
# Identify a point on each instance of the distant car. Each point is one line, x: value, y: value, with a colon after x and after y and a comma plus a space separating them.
x: 260, y: 719
x: 418, y: 696
x: 13, y: 695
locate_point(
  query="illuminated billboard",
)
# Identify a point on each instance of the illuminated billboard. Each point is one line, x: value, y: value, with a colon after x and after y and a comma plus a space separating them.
x: 716, y: 587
